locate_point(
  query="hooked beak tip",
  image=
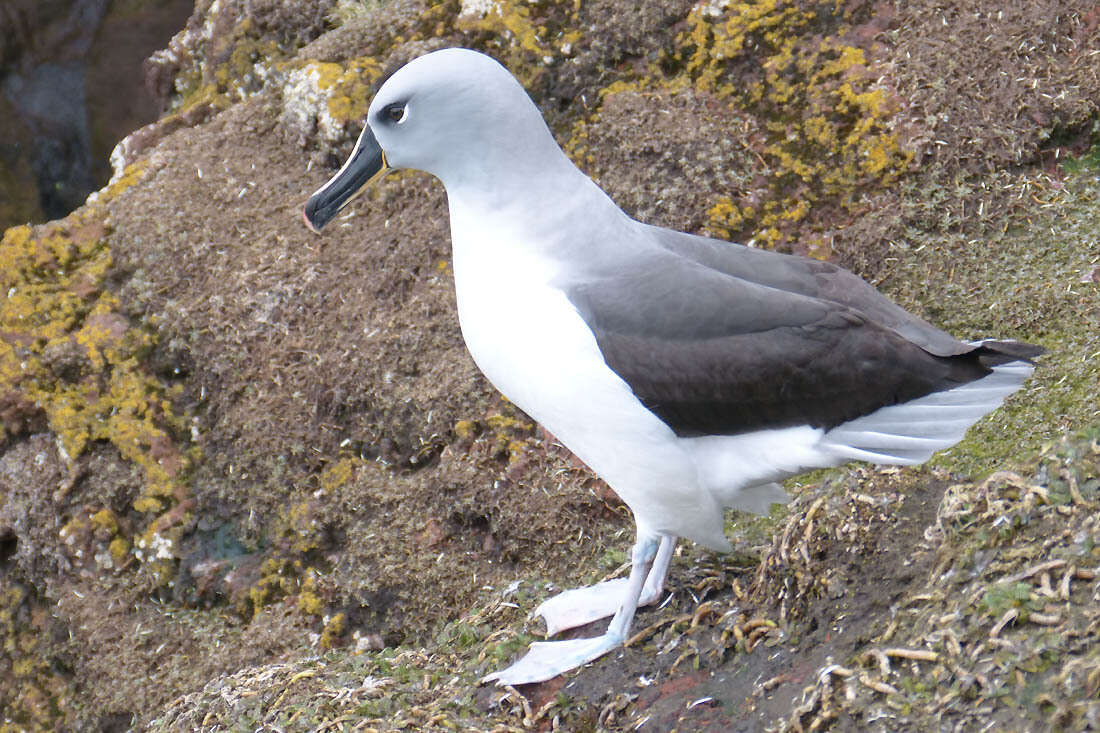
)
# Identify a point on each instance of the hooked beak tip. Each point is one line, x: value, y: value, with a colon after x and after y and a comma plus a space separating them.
x: 308, y: 223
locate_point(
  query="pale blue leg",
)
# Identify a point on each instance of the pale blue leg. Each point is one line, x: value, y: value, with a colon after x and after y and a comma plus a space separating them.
x: 579, y: 606
x: 547, y: 659
x: 655, y: 581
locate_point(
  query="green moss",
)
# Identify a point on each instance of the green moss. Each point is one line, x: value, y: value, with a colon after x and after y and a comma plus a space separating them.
x: 1005, y: 596
x: 34, y: 696
x: 612, y: 558
x: 1024, y: 279
x: 1090, y: 159
x: 69, y: 349
x: 499, y: 653
x: 461, y: 635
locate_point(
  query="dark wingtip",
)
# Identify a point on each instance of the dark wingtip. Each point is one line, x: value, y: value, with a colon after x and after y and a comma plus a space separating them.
x: 993, y: 352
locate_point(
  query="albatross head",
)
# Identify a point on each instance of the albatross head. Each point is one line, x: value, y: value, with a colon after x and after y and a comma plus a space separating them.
x: 456, y: 114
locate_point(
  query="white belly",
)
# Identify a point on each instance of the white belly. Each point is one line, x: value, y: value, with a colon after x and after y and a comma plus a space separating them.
x: 535, y: 348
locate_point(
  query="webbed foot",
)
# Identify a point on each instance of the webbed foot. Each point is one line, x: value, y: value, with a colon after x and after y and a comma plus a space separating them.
x: 547, y: 659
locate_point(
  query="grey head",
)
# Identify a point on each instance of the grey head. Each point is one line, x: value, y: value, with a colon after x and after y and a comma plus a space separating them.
x: 456, y: 114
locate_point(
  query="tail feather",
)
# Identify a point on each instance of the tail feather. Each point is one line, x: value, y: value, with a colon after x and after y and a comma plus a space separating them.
x: 911, y: 432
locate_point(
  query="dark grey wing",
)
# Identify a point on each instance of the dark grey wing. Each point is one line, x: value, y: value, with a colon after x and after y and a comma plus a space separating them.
x: 813, y: 278
x: 714, y: 354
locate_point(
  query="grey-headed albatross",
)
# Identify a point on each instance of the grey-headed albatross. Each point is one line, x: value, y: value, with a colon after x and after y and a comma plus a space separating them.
x: 691, y: 374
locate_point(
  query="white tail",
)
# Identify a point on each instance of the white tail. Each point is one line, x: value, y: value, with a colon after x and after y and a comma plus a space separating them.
x: 911, y: 432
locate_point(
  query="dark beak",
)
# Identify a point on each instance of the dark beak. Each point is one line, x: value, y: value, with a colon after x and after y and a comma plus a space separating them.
x: 366, y: 164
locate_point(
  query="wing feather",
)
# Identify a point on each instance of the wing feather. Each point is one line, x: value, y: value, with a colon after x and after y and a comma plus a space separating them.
x: 712, y: 353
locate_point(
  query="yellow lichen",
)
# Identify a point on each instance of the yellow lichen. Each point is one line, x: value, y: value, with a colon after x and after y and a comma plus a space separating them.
x: 105, y: 521
x: 510, y: 434
x: 71, y: 528
x: 465, y: 429
x: 524, y: 43
x: 347, y: 86
x: 131, y: 174
x: 35, y: 697
x: 148, y: 505
x: 511, y: 21
x: 827, y: 119
x: 726, y: 218
x: 57, y: 315
x: 68, y: 349
x: 340, y: 473
x: 308, y: 600
x: 119, y: 549
x: 219, y: 78
x: 278, y: 578
x: 295, y: 537
x: 333, y: 630
x: 500, y: 423
x: 300, y: 528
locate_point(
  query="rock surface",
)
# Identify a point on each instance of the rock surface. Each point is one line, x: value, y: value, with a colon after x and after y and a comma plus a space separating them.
x: 71, y: 87
x: 239, y: 460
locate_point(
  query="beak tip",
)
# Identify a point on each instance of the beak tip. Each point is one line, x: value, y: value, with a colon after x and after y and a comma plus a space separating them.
x: 366, y: 163
x: 309, y: 224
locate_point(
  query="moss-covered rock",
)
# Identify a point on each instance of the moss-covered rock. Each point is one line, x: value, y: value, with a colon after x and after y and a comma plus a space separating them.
x: 229, y: 445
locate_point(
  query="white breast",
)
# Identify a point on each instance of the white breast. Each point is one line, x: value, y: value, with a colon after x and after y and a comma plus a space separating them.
x: 535, y: 348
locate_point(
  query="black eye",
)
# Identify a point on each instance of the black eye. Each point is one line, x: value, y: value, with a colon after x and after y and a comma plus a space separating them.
x: 395, y: 113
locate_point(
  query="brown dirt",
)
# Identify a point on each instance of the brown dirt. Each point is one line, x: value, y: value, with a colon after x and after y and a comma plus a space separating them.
x: 865, y: 554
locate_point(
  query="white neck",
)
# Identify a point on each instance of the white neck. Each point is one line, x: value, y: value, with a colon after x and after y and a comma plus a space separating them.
x: 528, y: 212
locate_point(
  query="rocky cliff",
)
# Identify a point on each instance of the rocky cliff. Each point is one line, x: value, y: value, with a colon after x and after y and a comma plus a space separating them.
x: 250, y: 478
x: 72, y: 86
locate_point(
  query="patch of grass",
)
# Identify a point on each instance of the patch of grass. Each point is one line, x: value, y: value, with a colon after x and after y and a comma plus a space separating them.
x: 1089, y: 161
x: 461, y: 635
x: 1023, y: 279
x: 1086, y: 163
x: 1003, y: 596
